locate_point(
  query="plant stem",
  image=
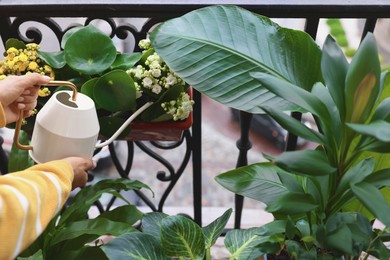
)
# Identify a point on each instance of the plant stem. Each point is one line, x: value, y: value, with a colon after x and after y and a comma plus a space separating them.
x: 208, y: 254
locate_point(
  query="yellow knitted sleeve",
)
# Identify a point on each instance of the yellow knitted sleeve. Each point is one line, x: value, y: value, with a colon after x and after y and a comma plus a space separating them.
x: 2, y: 117
x: 29, y: 199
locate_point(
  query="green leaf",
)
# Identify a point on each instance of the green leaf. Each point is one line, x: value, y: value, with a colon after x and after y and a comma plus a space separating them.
x: 292, y: 204
x: 56, y: 60
x: 382, y: 112
x: 379, y: 129
x: 181, y: 236
x: 17, y: 44
x: 125, y: 61
x: 37, y: 256
x: 259, y: 181
x: 69, y: 33
x: 81, y: 203
x: 128, y: 214
x: 379, y: 179
x: 89, y: 51
x: 214, y: 230
x: 340, y: 239
x: 151, y: 223
x: 216, y: 59
x: 293, y: 93
x: 333, y: 134
x: 271, y: 228
x: 135, y: 246
x: 373, y: 200
x: 294, y: 126
x: 20, y: 159
x: 355, y: 175
x: 306, y: 162
x: 115, y: 91
x: 334, y: 70
x: 242, y: 244
x: 362, y: 83
x: 96, y: 226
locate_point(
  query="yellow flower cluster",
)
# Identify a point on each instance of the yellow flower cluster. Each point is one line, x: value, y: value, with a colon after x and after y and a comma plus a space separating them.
x: 25, y: 61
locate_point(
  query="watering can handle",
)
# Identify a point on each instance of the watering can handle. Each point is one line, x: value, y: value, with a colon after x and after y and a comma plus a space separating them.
x: 21, y: 112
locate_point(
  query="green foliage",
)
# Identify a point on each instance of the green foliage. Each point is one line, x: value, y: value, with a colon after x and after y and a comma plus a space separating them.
x: 19, y: 159
x: 327, y: 198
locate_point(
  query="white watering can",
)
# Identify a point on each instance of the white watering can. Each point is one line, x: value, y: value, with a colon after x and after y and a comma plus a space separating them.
x: 67, y: 125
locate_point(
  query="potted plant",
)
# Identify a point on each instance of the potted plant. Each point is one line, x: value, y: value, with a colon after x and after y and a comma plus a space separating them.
x: 118, y: 83
x: 324, y: 201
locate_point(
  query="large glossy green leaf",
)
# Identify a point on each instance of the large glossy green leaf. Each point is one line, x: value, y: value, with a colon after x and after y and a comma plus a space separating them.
x: 293, y: 203
x: 19, y: 159
x: 373, y: 200
x: 81, y: 203
x: 214, y: 49
x: 382, y: 112
x: 259, y: 181
x: 242, y: 244
x: 125, y: 61
x: 334, y: 70
x: 89, y: 51
x: 362, y: 83
x: 115, y: 91
x: 340, y: 239
x: 214, y: 230
x: 181, y: 236
x: 306, y: 162
x: 134, y: 246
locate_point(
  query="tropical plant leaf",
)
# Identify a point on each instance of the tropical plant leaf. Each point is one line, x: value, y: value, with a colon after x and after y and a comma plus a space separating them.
x: 334, y: 70
x: 134, y: 246
x: 214, y: 230
x: 382, y: 112
x: 128, y: 214
x: 151, y: 223
x: 306, y: 162
x: 216, y: 59
x: 379, y: 129
x: 89, y: 50
x: 362, y: 83
x: 181, y: 236
x: 20, y: 159
x: 115, y: 91
x: 242, y: 244
x: 292, y: 204
x: 259, y: 181
x: 97, y: 226
x: 340, y: 239
x: 78, y: 209
x: 373, y: 200
x: 355, y: 175
x: 293, y: 93
x: 294, y: 126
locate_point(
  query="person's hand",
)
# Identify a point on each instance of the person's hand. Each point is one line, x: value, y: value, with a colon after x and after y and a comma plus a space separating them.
x: 80, y: 166
x: 20, y: 93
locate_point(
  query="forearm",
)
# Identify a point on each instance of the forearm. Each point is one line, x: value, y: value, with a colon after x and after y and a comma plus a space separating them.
x: 28, y: 201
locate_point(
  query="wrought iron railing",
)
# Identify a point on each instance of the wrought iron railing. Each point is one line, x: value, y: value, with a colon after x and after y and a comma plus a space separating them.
x: 16, y: 13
